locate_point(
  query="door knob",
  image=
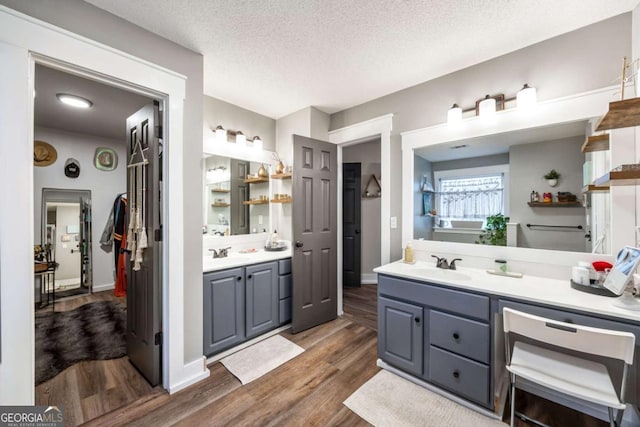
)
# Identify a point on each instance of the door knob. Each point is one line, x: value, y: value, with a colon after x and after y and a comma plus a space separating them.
x: 299, y: 244
x: 357, y: 231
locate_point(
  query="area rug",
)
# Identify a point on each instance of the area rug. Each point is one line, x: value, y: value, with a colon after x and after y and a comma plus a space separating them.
x: 94, y: 331
x: 388, y: 400
x: 255, y: 361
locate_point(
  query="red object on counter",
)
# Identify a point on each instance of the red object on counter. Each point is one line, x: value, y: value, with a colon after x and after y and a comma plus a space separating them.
x: 601, y: 265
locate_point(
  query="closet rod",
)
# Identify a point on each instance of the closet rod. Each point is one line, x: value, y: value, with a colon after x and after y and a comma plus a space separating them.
x: 579, y: 227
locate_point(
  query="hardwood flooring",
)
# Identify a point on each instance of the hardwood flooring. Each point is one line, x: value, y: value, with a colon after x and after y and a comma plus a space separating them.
x: 339, y: 357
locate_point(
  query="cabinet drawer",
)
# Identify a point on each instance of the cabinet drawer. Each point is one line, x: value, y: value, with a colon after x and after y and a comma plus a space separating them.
x: 446, y: 299
x: 284, y: 266
x: 463, y: 376
x: 463, y: 336
x: 285, y: 286
x: 285, y: 310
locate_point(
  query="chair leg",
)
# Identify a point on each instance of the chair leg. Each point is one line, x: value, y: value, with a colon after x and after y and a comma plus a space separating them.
x: 513, y: 398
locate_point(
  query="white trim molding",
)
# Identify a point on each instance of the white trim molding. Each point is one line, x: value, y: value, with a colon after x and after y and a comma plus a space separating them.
x: 350, y: 135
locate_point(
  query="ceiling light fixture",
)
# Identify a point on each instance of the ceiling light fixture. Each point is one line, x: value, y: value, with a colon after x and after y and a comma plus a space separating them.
x: 257, y: 143
x: 73, y: 100
x: 488, y: 106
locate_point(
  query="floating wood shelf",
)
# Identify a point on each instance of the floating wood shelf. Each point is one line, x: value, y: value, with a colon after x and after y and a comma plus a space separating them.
x: 287, y: 200
x: 621, y: 114
x: 555, y: 204
x: 375, y: 192
x: 595, y: 188
x: 619, y: 176
x: 256, y: 202
x: 256, y: 180
x: 281, y: 176
x: 219, y: 190
x: 596, y: 143
x: 220, y: 205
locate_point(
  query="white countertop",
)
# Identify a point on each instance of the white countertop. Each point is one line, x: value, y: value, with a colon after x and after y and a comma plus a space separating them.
x: 238, y: 259
x: 530, y: 288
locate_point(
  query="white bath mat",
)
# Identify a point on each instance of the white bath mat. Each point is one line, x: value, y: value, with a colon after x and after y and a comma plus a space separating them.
x: 255, y: 361
x: 388, y: 400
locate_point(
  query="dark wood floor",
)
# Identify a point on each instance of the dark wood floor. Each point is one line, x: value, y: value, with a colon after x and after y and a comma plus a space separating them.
x: 340, y: 356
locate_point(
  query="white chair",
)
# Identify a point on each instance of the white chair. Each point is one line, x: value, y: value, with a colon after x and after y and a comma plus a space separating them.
x: 574, y: 376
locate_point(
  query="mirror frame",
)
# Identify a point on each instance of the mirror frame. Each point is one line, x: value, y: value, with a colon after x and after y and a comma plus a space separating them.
x: 582, y: 106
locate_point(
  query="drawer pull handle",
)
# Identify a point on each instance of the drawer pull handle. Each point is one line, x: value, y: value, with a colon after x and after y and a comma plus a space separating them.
x: 456, y: 336
x: 417, y: 320
x: 456, y: 374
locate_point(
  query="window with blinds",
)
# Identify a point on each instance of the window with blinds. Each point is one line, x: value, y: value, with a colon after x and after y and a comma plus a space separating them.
x: 470, y: 197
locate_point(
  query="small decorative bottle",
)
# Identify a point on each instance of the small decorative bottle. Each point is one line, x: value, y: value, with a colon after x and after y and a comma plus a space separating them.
x: 533, y: 196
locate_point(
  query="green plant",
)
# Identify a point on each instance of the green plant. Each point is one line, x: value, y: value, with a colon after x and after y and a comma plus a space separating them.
x: 495, y: 232
x: 552, y: 174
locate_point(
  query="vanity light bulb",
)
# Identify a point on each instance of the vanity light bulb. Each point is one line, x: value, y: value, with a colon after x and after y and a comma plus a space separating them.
x: 526, y: 97
x: 454, y: 115
x: 241, y: 139
x: 487, y: 107
x: 221, y: 134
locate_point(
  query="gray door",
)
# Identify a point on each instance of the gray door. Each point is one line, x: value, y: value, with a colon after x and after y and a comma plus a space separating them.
x: 223, y: 310
x: 315, y: 216
x: 144, y: 287
x: 239, y: 195
x: 86, y: 274
x: 351, y: 220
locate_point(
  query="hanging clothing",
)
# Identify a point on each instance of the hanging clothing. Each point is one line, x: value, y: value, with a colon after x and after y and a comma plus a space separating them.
x: 119, y: 225
x: 121, y: 269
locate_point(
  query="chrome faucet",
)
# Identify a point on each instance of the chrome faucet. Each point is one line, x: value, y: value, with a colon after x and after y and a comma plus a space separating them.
x: 444, y: 264
x: 220, y: 253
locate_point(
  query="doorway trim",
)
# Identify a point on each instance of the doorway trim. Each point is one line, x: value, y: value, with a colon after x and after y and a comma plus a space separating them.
x: 23, y: 42
x: 378, y: 127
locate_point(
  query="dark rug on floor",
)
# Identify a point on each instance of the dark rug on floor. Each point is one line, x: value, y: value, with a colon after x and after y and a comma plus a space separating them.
x: 94, y: 331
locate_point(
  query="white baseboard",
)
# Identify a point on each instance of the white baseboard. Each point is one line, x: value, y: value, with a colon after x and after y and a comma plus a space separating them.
x: 192, y: 372
x: 369, y: 279
x: 104, y: 287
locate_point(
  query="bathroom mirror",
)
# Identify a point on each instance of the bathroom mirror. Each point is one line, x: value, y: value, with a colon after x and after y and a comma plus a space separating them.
x: 509, y: 156
x: 465, y: 181
x: 233, y: 204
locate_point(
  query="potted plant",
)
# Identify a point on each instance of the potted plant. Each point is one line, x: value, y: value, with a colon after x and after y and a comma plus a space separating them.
x: 495, y: 232
x: 552, y: 177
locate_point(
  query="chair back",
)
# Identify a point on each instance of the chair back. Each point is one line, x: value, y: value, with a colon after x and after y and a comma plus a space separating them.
x: 601, y: 342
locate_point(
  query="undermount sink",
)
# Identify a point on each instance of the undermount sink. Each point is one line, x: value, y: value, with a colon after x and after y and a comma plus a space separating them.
x: 230, y: 259
x: 440, y: 273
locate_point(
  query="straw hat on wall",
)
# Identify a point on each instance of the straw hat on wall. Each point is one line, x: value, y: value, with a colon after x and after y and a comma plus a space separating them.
x: 43, y: 153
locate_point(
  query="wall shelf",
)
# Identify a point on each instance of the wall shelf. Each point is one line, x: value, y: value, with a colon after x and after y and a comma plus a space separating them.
x: 596, y: 143
x: 218, y: 190
x: 281, y: 176
x: 256, y: 202
x: 555, y: 204
x: 256, y: 180
x: 595, y: 188
x: 621, y: 114
x: 287, y: 200
x: 624, y: 175
x: 220, y: 205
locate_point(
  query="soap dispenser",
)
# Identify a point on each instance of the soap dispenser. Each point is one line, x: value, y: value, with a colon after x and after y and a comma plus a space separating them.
x: 408, y: 254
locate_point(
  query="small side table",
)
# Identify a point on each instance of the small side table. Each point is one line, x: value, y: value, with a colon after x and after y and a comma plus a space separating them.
x: 47, y: 273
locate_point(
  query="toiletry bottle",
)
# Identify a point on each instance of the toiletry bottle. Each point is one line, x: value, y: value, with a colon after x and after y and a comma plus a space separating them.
x: 274, y: 238
x: 408, y: 254
x: 533, y: 196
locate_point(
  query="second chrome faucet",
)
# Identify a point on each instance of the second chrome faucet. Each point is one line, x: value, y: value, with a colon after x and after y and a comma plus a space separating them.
x: 444, y: 264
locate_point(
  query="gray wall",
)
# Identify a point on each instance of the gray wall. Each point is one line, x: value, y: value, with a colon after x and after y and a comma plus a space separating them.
x: 472, y: 162
x: 422, y: 225
x: 529, y: 163
x: 368, y: 154
x: 578, y: 61
x: 89, y: 21
x: 232, y: 117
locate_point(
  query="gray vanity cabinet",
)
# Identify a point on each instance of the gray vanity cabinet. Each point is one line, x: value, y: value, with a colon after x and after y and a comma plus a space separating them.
x: 400, y: 336
x: 284, y: 283
x: 262, y: 301
x: 224, y: 317
x: 439, y: 334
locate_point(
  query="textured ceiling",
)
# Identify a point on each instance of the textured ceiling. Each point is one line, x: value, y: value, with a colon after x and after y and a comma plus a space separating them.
x: 278, y: 56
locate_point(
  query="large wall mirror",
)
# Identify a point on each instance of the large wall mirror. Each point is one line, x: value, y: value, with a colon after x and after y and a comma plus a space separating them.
x: 236, y: 196
x: 457, y: 178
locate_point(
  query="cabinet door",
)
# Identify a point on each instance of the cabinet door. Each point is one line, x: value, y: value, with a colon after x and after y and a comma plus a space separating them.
x: 223, y: 310
x: 262, y: 298
x: 400, y: 339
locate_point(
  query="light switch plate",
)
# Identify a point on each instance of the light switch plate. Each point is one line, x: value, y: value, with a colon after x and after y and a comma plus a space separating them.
x: 394, y: 222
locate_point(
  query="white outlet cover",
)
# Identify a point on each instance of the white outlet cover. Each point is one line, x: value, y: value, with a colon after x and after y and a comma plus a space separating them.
x: 394, y: 222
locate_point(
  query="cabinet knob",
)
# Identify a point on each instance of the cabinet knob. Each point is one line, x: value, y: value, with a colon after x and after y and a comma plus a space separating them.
x: 456, y: 336
x: 238, y: 278
x: 456, y: 374
x: 417, y: 320
x: 249, y: 276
